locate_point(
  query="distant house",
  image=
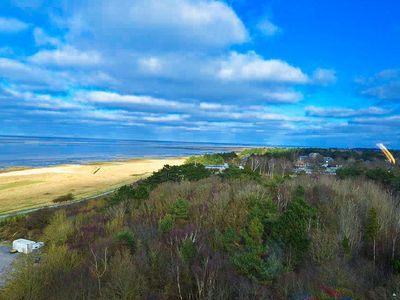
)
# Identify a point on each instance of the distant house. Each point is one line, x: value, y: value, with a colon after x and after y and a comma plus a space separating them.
x: 26, y: 246
x: 331, y: 170
x: 313, y: 155
x: 302, y: 161
x: 304, y: 170
x: 219, y: 168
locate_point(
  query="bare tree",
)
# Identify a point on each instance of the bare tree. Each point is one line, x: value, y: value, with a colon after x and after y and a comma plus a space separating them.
x: 99, y: 267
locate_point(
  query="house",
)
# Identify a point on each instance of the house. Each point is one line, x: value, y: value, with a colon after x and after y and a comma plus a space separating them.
x: 219, y: 168
x: 304, y: 170
x: 331, y: 170
x: 26, y: 246
x: 314, y: 155
x: 302, y: 161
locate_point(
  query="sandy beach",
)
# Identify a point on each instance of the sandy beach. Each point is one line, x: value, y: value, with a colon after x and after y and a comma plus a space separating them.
x: 36, y: 187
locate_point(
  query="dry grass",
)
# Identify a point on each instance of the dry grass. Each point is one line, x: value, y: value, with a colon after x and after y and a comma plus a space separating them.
x: 30, y: 188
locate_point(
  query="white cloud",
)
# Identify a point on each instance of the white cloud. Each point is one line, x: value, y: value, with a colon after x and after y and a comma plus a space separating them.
x: 389, y: 91
x: 341, y: 112
x: 150, y: 64
x: 115, y: 98
x: 42, y: 38
x: 283, y: 96
x: 210, y: 106
x: 165, y: 118
x: 384, y: 85
x: 384, y: 121
x: 255, y: 115
x: 266, y: 27
x: 251, y: 66
x: 11, y: 25
x: 30, y: 75
x: 174, y: 24
x: 324, y: 76
x: 67, y: 56
x: 42, y: 100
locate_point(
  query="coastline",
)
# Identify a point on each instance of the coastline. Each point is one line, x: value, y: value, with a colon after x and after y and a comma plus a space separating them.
x: 22, y: 189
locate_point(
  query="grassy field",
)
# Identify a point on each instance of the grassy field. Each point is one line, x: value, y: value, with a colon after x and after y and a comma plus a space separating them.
x: 30, y: 188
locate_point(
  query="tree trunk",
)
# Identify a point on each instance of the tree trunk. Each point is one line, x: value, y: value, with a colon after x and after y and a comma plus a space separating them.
x: 374, y: 251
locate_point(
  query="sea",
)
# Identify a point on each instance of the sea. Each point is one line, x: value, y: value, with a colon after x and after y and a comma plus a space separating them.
x: 18, y: 151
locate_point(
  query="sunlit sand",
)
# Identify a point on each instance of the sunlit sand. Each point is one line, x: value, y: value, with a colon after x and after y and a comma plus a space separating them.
x: 30, y: 188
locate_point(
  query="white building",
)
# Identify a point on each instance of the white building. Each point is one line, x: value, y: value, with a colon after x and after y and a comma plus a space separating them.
x: 219, y: 168
x: 26, y: 246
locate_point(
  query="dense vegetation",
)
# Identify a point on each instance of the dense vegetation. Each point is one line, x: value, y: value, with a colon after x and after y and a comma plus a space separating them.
x: 212, y: 159
x: 387, y: 177
x: 188, y: 233
x: 340, y: 155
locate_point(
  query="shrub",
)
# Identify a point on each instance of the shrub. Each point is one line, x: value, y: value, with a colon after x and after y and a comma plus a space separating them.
x: 166, y: 223
x: 188, y: 172
x: 64, y: 198
x: 207, y: 159
x: 187, y: 250
x: 45, y: 280
x: 249, y: 254
x: 180, y: 209
x: 59, y: 229
x: 234, y: 172
x: 352, y: 171
x: 124, y: 193
x: 126, y: 237
x: 396, y: 265
x: 292, y: 227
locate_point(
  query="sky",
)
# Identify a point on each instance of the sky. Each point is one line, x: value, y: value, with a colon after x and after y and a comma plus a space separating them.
x: 293, y: 72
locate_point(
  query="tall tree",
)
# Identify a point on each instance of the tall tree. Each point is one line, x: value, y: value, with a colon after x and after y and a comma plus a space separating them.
x: 372, y: 229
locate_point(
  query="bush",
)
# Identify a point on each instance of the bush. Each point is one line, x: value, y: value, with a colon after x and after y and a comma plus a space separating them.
x: 249, y: 253
x: 126, y: 237
x: 349, y: 172
x: 166, y: 223
x: 234, y: 172
x: 187, y: 250
x: 64, y: 198
x: 59, y: 229
x: 292, y: 227
x: 207, y: 159
x: 188, y: 172
x: 180, y: 209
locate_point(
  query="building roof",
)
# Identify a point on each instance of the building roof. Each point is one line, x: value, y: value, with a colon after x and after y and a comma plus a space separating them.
x: 24, y: 241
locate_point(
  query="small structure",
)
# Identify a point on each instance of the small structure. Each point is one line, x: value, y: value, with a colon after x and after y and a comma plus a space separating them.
x: 26, y: 246
x: 302, y: 162
x: 314, y: 155
x: 219, y: 168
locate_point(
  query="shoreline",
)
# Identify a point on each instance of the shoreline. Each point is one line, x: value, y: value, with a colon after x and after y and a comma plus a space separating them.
x: 23, y: 189
x: 90, y: 163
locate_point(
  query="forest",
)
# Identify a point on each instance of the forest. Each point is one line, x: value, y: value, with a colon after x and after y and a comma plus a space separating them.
x: 186, y: 232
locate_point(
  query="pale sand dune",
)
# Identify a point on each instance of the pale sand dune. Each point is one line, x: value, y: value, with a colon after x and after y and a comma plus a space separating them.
x: 38, y: 171
x: 31, y: 188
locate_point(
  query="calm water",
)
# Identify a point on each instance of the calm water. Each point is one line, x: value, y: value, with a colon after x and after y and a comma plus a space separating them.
x: 40, y: 151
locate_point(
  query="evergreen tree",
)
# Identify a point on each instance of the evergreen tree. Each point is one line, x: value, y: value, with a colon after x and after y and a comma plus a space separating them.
x: 372, y: 229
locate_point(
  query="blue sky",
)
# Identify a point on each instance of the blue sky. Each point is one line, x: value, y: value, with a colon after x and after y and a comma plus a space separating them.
x: 293, y: 72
